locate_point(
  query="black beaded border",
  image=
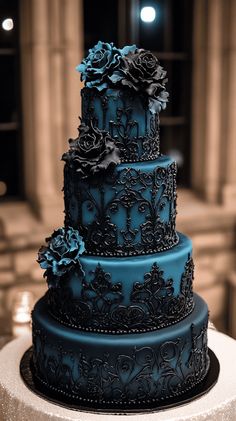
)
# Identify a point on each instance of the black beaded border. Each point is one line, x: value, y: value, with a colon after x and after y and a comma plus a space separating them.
x: 141, y: 159
x: 104, y: 402
x: 63, y: 399
x: 120, y: 331
x: 127, y: 254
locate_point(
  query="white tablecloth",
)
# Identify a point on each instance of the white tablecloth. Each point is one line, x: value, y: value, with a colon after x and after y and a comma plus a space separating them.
x: 18, y: 403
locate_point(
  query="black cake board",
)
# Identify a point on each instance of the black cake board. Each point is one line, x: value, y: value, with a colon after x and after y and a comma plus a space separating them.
x: 57, y: 398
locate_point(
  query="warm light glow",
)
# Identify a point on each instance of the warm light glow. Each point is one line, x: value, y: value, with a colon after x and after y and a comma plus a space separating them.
x: 21, y: 314
x: 148, y: 14
x: 177, y: 156
x: 3, y: 188
x: 7, y: 24
x: 21, y: 330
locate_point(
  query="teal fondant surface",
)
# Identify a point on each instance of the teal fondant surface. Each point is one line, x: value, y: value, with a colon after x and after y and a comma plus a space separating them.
x: 105, y: 107
x: 128, y: 270
x: 43, y: 320
x: 133, y: 294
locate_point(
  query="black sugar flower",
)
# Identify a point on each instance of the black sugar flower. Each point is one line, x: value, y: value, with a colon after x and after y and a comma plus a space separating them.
x: 141, y: 71
x: 93, y: 152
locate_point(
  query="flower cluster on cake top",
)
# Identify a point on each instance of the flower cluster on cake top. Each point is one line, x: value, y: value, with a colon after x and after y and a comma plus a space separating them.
x: 93, y: 153
x: 137, y: 69
x: 61, y: 254
x: 101, y: 62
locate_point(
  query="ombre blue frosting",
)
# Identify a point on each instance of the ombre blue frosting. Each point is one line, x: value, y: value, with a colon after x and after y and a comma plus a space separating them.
x: 132, y: 212
x: 122, y: 370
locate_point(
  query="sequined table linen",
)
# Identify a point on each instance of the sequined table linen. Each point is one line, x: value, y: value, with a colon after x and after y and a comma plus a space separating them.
x: 18, y: 403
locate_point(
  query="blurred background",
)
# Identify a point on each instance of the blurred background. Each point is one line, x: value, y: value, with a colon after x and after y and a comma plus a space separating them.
x: 41, y: 42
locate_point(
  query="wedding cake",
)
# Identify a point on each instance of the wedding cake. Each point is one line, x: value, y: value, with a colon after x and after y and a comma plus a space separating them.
x: 119, y: 326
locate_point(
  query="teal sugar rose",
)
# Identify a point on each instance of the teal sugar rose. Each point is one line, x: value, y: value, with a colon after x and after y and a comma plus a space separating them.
x: 100, y: 64
x: 61, y: 254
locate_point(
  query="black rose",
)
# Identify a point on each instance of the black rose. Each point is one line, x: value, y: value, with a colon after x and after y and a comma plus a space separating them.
x: 141, y: 71
x: 93, y: 152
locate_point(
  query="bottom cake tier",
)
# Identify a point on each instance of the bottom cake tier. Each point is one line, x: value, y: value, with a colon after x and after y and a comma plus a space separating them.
x: 120, y: 370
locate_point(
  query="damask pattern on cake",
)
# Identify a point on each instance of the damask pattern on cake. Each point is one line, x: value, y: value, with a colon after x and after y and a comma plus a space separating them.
x: 146, y: 374
x: 137, y: 216
x: 135, y: 143
x: 100, y: 307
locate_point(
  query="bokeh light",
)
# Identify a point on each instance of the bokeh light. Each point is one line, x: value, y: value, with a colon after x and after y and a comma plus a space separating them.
x: 148, y: 14
x: 7, y: 24
x: 3, y: 188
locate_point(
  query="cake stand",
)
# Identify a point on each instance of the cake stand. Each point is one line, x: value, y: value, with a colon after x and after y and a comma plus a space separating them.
x: 18, y: 403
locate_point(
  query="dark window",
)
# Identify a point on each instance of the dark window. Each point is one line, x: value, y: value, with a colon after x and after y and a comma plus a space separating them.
x: 100, y: 22
x: 11, y: 180
x: 169, y: 36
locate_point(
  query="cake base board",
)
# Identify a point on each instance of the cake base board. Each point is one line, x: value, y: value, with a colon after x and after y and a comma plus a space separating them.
x: 61, y: 400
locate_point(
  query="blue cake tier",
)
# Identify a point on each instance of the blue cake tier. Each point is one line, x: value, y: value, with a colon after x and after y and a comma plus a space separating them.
x: 126, y: 294
x: 122, y: 370
x: 129, y: 213
x: 126, y: 116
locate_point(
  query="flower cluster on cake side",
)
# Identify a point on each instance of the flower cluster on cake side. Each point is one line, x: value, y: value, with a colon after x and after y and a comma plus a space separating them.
x: 93, y: 153
x: 61, y: 254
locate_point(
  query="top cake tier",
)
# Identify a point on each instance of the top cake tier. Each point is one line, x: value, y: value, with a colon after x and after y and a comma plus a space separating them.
x: 123, y: 95
x: 127, y: 118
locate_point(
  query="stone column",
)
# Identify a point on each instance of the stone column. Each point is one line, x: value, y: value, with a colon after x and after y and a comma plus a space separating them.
x: 73, y: 53
x: 36, y: 102
x: 51, y: 47
x: 229, y: 138
x: 213, y: 132
x: 232, y: 304
x: 198, y: 100
x: 207, y: 98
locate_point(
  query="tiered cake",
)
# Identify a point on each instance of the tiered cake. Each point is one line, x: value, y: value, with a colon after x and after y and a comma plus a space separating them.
x: 119, y: 326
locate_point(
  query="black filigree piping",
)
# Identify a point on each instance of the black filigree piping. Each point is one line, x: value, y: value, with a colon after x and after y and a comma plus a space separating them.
x: 149, y: 196
x: 124, y: 129
x: 145, y: 375
x: 100, y: 307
